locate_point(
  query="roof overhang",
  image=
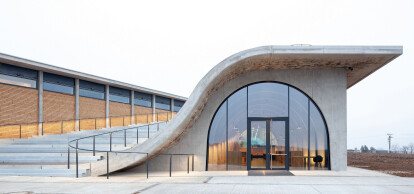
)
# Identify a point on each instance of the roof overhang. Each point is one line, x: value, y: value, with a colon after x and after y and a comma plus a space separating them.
x: 360, y: 61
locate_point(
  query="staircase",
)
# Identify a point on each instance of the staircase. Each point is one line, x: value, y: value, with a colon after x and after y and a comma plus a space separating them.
x: 48, y: 155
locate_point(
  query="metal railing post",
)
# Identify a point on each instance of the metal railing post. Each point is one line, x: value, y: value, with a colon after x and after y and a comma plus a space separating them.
x: 148, y: 131
x: 192, y: 163
x: 110, y: 122
x: 123, y: 121
x: 158, y: 126
x: 94, y: 145
x: 79, y: 124
x: 20, y: 131
x: 157, y: 117
x: 170, y: 163
x: 147, y: 118
x: 146, y: 164
x: 110, y: 142
x: 68, y: 155
x: 124, y: 137
x: 77, y: 160
x: 107, y: 165
x: 188, y: 164
x: 137, y: 135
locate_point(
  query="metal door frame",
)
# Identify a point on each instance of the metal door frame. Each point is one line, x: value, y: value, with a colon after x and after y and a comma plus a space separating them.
x: 268, y: 125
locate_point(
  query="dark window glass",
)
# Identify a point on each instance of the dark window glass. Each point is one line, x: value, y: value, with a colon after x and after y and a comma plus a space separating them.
x: 57, y: 79
x: 318, y: 140
x: 268, y: 100
x: 237, y: 134
x: 217, y: 141
x: 15, y: 71
x: 119, y: 95
x: 18, y: 76
x: 142, y: 99
x: 298, y: 128
x: 57, y: 83
x: 162, y: 103
x: 91, y: 90
x: 178, y: 105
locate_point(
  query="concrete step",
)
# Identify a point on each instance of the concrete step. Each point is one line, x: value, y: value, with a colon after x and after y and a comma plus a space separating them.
x: 44, y: 172
x: 46, y: 159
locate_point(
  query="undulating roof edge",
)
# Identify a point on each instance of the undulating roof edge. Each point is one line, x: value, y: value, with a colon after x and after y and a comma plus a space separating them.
x: 21, y: 62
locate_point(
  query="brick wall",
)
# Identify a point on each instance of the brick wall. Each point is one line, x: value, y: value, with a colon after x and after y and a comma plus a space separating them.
x: 56, y: 107
x: 18, y: 105
x: 120, y: 114
x: 163, y: 115
x: 141, y: 113
x: 89, y: 109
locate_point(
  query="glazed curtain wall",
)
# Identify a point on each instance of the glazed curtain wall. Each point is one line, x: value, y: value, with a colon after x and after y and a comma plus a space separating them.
x: 308, y: 138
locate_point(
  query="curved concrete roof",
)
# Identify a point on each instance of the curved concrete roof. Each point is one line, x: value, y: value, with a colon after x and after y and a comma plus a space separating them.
x: 364, y: 60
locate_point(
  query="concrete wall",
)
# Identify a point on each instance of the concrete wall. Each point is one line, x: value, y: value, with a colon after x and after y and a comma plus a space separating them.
x: 327, y: 87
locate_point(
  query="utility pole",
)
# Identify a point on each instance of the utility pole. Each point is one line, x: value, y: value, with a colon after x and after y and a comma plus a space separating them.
x: 389, y: 142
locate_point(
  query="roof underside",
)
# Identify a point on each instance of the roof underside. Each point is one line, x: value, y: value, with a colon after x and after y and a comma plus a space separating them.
x: 360, y: 61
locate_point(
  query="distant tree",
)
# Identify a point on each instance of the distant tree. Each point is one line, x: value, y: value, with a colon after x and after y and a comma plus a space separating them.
x: 364, y: 148
x: 395, y: 148
x: 405, y: 149
x: 411, y: 145
x: 372, y: 149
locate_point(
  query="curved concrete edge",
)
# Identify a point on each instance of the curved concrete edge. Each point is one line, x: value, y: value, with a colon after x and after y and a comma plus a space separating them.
x: 245, y: 61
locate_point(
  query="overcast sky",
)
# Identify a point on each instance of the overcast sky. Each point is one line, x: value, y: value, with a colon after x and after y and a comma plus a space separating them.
x: 170, y: 45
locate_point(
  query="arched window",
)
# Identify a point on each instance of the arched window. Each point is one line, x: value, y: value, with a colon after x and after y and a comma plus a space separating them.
x: 268, y: 125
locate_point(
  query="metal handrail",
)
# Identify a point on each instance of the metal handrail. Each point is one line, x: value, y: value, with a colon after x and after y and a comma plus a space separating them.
x: 110, y: 150
x: 84, y: 119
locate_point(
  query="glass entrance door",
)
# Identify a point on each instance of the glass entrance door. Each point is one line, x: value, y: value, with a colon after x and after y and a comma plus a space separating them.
x: 267, y: 144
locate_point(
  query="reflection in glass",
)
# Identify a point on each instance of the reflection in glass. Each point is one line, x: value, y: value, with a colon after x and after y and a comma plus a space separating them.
x: 318, y: 140
x: 57, y: 88
x: 91, y: 94
x: 278, y: 144
x: 268, y: 100
x: 298, y: 124
x: 237, y: 134
x: 217, y: 140
x: 17, y: 81
x: 258, y: 144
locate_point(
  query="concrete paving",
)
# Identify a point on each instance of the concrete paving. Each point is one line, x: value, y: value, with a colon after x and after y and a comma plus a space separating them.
x: 353, y: 180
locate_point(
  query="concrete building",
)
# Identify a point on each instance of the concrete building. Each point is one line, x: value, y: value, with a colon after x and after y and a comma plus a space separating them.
x: 266, y: 108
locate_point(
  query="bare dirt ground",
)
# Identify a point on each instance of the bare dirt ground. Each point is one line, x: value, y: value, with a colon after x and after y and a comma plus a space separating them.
x: 395, y: 164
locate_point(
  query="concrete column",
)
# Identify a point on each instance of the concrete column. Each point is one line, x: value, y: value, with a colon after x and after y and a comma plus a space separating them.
x: 172, y: 108
x: 153, y: 107
x: 40, y: 88
x: 132, y: 108
x: 107, y: 105
x: 77, y: 126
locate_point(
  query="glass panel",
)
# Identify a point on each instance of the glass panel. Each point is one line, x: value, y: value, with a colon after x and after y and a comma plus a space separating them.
x: 17, y: 81
x: 91, y: 94
x: 177, y: 105
x: 217, y: 140
x: 162, y: 103
x: 268, y: 100
x: 318, y: 140
x: 57, y: 88
x: 237, y: 125
x: 278, y: 144
x: 121, y: 99
x: 298, y: 124
x: 143, y: 99
x: 258, y: 144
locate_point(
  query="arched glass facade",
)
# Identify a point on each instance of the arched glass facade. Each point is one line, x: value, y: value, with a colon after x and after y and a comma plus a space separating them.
x: 268, y: 125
